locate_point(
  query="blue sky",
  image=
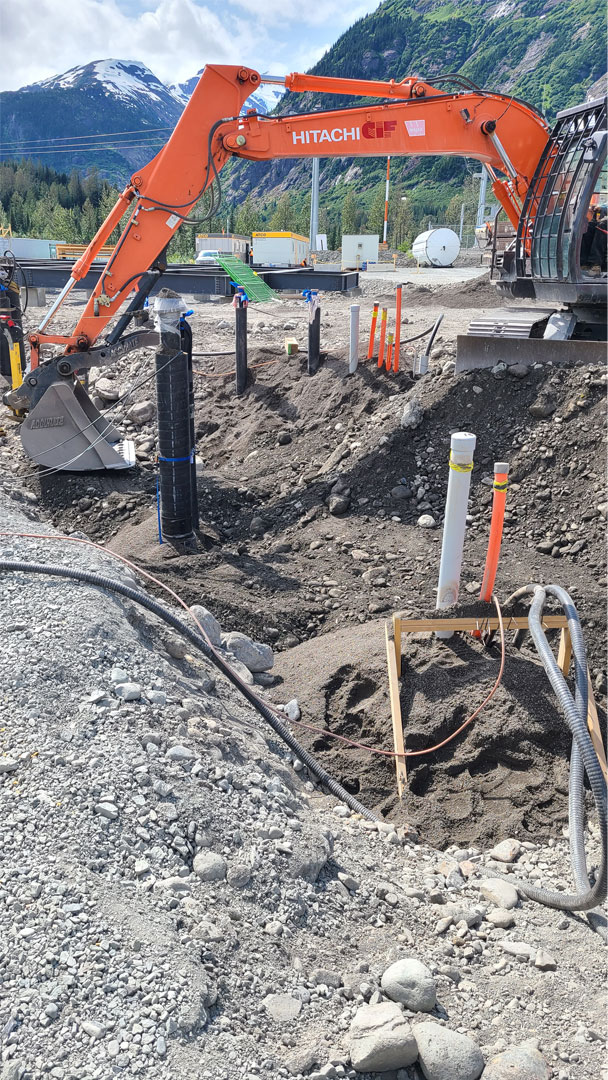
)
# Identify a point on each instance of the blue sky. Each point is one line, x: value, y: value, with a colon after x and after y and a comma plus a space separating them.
x: 175, y: 38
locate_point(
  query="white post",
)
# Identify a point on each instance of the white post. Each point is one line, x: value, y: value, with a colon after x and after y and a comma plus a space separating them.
x: 461, y: 463
x: 388, y: 172
x: 314, y: 205
x: 353, y: 355
x: 461, y: 222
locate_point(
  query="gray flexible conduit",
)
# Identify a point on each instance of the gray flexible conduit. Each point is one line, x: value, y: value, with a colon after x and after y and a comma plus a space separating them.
x: 142, y: 598
x: 583, y: 757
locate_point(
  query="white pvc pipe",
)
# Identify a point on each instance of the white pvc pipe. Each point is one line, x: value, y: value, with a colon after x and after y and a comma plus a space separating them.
x: 462, y: 446
x: 353, y: 354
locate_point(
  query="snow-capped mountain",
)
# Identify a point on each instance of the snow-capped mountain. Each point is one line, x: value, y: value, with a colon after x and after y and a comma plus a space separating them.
x: 121, y: 100
x: 263, y: 101
x: 126, y: 81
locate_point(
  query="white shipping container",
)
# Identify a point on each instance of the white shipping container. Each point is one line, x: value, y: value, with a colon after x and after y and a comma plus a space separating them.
x: 280, y: 249
x: 357, y: 250
x: 29, y: 247
x: 226, y: 243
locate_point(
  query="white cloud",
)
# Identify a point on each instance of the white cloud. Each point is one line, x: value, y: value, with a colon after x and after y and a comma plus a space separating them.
x: 175, y: 38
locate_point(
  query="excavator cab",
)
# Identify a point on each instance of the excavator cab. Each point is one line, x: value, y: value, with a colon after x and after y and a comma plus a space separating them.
x: 559, y: 253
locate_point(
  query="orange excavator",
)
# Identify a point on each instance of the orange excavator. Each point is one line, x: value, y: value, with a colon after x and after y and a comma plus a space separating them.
x: 544, y: 183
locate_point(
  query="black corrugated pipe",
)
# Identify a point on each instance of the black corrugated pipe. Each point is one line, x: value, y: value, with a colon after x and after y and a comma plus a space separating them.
x: 175, y: 449
x: 92, y: 578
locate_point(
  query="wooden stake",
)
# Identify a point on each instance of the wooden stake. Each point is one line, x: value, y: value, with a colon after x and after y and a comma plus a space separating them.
x: 565, y: 651
x: 595, y: 730
x: 397, y: 640
x: 393, y: 684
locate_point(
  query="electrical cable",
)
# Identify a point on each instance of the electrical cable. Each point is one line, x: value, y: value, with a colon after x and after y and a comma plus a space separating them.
x: 98, y: 135
x: 299, y: 723
x: 201, y: 642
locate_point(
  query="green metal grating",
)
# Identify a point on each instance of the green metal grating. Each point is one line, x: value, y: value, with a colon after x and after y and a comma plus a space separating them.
x: 256, y: 289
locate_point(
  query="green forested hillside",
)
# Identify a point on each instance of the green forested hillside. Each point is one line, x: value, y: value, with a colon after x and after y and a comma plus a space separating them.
x: 547, y: 52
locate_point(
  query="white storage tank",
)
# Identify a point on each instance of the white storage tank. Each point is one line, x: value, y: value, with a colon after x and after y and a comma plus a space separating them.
x: 436, y: 247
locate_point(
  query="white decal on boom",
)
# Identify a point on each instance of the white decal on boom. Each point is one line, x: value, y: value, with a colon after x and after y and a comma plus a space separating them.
x: 414, y: 127
x: 320, y: 135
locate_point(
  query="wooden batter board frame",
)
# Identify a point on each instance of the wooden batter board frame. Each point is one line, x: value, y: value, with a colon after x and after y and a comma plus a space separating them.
x: 394, y: 658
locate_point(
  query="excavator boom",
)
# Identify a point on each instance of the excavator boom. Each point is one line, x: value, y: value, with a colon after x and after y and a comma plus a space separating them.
x: 503, y: 133
x: 410, y: 117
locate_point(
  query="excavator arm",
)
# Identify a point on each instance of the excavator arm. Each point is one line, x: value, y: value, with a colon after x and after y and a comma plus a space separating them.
x: 413, y: 117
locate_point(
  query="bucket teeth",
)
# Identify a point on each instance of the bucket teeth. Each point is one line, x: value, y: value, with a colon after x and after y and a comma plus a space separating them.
x: 65, y: 431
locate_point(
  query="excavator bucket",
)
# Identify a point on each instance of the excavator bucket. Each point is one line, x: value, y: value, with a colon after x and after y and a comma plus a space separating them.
x: 65, y: 431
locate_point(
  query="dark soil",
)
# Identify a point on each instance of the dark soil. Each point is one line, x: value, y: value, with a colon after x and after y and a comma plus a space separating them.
x: 275, y: 563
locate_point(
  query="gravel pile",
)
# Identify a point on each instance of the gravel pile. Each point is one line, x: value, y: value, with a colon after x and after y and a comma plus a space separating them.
x: 178, y: 899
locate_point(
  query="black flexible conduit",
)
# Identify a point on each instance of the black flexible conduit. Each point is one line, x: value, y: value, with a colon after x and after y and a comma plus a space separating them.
x: 583, y: 757
x: 142, y: 598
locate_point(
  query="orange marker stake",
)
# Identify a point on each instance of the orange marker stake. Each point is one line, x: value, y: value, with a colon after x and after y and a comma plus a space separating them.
x: 372, y: 333
x: 389, y: 354
x: 397, y: 329
x: 501, y: 479
x: 382, y: 337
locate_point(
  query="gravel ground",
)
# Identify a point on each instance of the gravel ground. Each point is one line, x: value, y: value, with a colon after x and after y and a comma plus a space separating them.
x: 178, y: 901
x: 178, y: 898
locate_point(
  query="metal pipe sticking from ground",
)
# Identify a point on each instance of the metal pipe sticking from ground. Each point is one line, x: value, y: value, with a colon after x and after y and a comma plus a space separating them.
x: 462, y: 446
x: 353, y: 353
x: 175, y: 450
x: 240, y: 310
x: 314, y: 330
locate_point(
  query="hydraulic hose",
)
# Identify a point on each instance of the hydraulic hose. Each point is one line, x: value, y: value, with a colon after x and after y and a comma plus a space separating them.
x: 584, y: 758
x: 90, y: 577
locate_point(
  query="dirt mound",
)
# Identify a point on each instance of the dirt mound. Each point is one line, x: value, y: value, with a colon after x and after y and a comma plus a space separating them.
x: 478, y: 292
x: 506, y: 775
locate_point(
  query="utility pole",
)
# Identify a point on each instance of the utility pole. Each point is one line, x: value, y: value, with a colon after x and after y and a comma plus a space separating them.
x: 461, y: 222
x: 483, y: 183
x: 314, y: 205
x: 388, y: 173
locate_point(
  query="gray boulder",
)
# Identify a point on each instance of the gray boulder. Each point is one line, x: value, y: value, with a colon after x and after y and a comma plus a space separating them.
x: 208, y: 622
x: 141, y: 412
x: 447, y: 1055
x: 518, y: 1063
x: 412, y: 414
x: 411, y: 983
x: 253, y: 654
x: 381, y: 1039
x: 209, y: 866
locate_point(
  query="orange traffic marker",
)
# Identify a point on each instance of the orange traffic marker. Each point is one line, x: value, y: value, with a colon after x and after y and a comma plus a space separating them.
x: 397, y: 329
x: 382, y: 337
x: 372, y: 333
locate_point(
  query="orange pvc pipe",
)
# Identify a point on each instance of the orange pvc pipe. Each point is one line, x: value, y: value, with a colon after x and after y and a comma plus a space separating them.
x: 382, y: 337
x: 372, y: 333
x: 389, y: 354
x: 397, y: 329
x: 501, y: 479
